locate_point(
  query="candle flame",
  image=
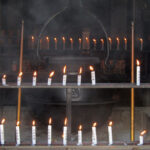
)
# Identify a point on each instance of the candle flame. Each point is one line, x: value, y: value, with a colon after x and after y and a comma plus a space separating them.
x: 94, y: 40
x: 51, y: 74
x: 91, y: 68
x: 80, y: 127
x: 94, y: 124
x: 47, y: 38
x: 71, y: 40
x: 109, y: 39
x: 18, y: 123
x: 102, y: 40
x: 125, y: 39
x: 33, y: 123
x: 138, y: 62
x: 80, y: 39
x: 35, y: 73
x: 32, y: 37
x: 87, y: 38
x: 4, y: 76
x: 65, y: 69
x: 3, y: 121
x: 143, y: 132
x: 80, y: 70
x: 55, y: 39
x: 65, y: 122
x: 110, y: 123
x: 117, y: 38
x: 20, y: 74
x: 63, y: 38
x: 50, y: 121
x: 141, y: 40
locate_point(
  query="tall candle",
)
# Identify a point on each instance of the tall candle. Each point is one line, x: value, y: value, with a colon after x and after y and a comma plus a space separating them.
x: 94, y: 134
x: 141, y: 137
x: 65, y: 132
x: 141, y: 44
x: 71, y: 43
x: 33, y: 133
x: 87, y: 43
x: 80, y: 43
x: 49, y: 138
x: 19, y: 78
x: 4, y: 80
x: 93, y: 78
x: 64, y: 75
x: 110, y: 137
x: 64, y: 43
x: 47, y: 42
x: 125, y: 43
x: 79, y: 76
x: 118, y: 43
x: 18, y: 141
x: 110, y: 43
x: 138, y: 74
x: 55, y: 40
x: 49, y: 82
x: 94, y: 42
x: 34, y: 80
x: 32, y: 42
x: 102, y: 44
x: 2, y: 135
x: 80, y: 135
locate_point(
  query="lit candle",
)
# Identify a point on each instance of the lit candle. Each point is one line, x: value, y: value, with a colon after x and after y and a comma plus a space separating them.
x: 80, y: 135
x: 55, y: 40
x: 93, y: 78
x: 125, y: 43
x: 4, y: 79
x: 41, y: 44
x: 64, y: 75
x: 64, y: 43
x: 118, y: 43
x: 110, y: 133
x: 138, y: 74
x: 79, y: 76
x: 94, y: 42
x: 102, y: 44
x: 141, y: 44
x: 94, y: 135
x: 80, y: 43
x: 49, y: 132
x: 2, y: 135
x: 110, y: 43
x: 18, y: 133
x: 87, y: 43
x: 19, y: 78
x: 71, y: 42
x: 47, y: 42
x: 141, y: 137
x: 50, y: 78
x: 33, y: 133
x: 33, y: 42
x: 65, y: 132
x: 34, y: 78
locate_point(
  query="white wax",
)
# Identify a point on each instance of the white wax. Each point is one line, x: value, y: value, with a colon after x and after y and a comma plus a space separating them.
x: 65, y: 135
x: 110, y: 135
x: 18, y: 81
x: 141, y: 140
x: 3, y: 81
x: 138, y: 75
x: 49, y: 138
x: 93, y: 78
x: 94, y: 136
x: 34, y: 81
x: 79, y: 80
x: 18, y: 135
x: 33, y: 135
x: 79, y: 137
x: 49, y: 82
x: 2, y: 138
x: 64, y: 79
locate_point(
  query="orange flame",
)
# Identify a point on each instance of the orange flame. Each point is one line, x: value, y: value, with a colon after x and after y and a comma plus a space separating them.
x: 94, y: 124
x: 18, y: 123
x: 55, y: 39
x: 71, y: 40
x: 80, y: 70
x: 102, y: 40
x: 63, y: 38
x: 50, y: 121
x: 91, y: 68
x: 47, y: 38
x: 32, y: 37
x: 117, y: 38
x: 65, y: 69
x: 33, y: 123
x: 35, y: 73
x: 110, y: 123
x: 3, y: 121
x: 65, y: 122
x: 87, y: 38
x: 137, y: 62
x: 51, y: 74
x: 143, y: 132
x: 20, y: 74
x: 141, y: 40
x: 125, y: 39
x: 80, y: 40
x: 110, y: 40
x: 94, y: 40
x: 4, y: 76
x: 80, y: 127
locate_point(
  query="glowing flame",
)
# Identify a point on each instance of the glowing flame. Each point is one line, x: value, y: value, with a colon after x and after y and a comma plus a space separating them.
x: 110, y: 123
x: 137, y: 62
x: 117, y: 38
x: 102, y: 40
x: 125, y: 39
x: 141, y: 40
x: 80, y: 70
x: 94, y: 124
x: 20, y: 74
x: 65, y: 69
x: 51, y: 74
x: 33, y: 123
x: 62, y: 135
x: 94, y: 40
x: 50, y: 121
x: 3, y: 121
x: 55, y: 39
x: 65, y: 122
x: 87, y: 38
x: 80, y: 40
x: 71, y: 40
x: 80, y: 127
x: 63, y: 38
x: 91, y: 68
x: 110, y: 40
x: 18, y: 123
x: 35, y: 73
x: 4, y: 76
x: 143, y: 132
x: 47, y: 38
x: 32, y: 37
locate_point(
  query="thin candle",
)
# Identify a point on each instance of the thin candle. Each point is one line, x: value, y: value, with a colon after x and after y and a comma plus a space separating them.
x: 4, y: 79
x: 80, y: 135
x: 2, y: 134
x: 110, y: 136
x: 49, y: 132
x: 93, y: 78
x: 118, y: 43
x: 141, y: 137
x: 49, y: 82
x: 18, y: 141
x: 19, y: 78
x: 87, y: 43
x: 94, y: 134
x: 94, y: 42
x: 80, y: 43
x: 125, y: 43
x: 110, y: 43
x: 32, y: 42
x: 71, y: 42
x: 65, y: 132
x: 141, y: 44
x: 33, y: 133
x: 34, y: 80
x: 102, y: 44
x: 56, y: 41
x: 64, y: 75
x: 64, y: 42
x: 79, y: 76
x: 47, y: 42
x: 138, y: 72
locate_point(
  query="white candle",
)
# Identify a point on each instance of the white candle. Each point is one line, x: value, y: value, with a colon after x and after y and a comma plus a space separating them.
x: 18, y: 141
x: 93, y: 78
x: 49, y: 138
x: 110, y: 137
x: 141, y: 44
x: 125, y: 43
x: 34, y: 78
x: 64, y: 75
x: 118, y: 43
x: 65, y: 132
x: 2, y: 135
x: 79, y: 77
x: 95, y: 42
x: 64, y: 43
x: 110, y: 43
x: 80, y: 135
x: 4, y: 80
x: 80, y: 43
x: 94, y: 134
x: 138, y: 70
x: 55, y: 40
x: 71, y: 42
x: 19, y: 78
x: 49, y: 82
x: 102, y: 44
x: 33, y: 133
x: 141, y: 137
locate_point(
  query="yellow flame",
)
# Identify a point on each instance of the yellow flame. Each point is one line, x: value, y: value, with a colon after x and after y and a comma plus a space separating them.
x: 18, y: 123
x: 87, y: 38
x: 143, y: 132
x: 71, y: 40
x: 141, y: 40
x: 80, y: 127
x: 94, y: 40
x: 102, y: 40
x: 94, y: 124
x: 35, y: 73
x: 63, y: 38
x: 65, y: 69
x: 4, y: 76
x: 80, y: 70
x: 91, y: 68
x: 32, y: 37
x: 117, y: 38
x: 65, y: 122
x: 125, y: 39
x: 137, y: 62
x: 20, y: 74
x: 47, y: 38
x: 80, y: 40
x: 51, y: 74
x: 55, y: 39
x: 3, y: 121
x: 50, y: 121
x: 109, y: 39
x: 110, y: 123
x: 33, y: 123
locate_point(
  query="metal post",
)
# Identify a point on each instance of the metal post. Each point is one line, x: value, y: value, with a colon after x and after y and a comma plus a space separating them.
x: 69, y: 110
x: 20, y: 70
x: 132, y: 89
